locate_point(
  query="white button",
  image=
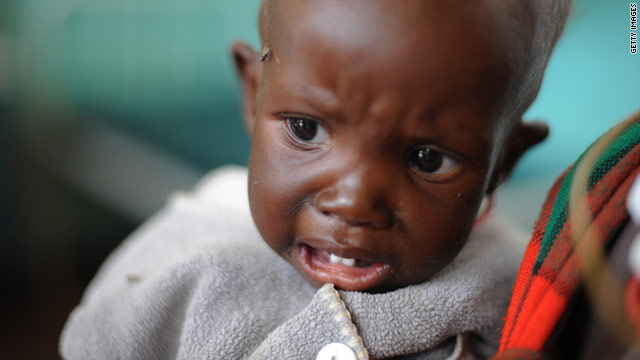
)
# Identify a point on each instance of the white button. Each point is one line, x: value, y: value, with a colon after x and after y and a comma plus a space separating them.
x: 336, y: 351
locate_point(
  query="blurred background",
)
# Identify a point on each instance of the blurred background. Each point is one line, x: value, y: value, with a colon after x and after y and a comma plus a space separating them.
x: 109, y: 106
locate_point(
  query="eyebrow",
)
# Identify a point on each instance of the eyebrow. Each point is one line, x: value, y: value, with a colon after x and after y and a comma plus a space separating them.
x: 429, y: 117
x: 321, y: 99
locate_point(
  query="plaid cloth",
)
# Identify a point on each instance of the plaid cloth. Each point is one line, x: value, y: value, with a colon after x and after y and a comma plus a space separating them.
x: 550, y: 271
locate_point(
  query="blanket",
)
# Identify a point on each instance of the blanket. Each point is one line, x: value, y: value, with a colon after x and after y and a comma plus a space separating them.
x: 583, y: 212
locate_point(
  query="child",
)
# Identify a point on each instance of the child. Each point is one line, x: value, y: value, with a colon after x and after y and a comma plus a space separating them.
x: 378, y: 127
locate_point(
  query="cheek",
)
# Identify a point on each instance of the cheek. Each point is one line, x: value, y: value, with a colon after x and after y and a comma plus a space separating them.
x: 271, y: 197
x: 446, y: 207
x: 439, y: 227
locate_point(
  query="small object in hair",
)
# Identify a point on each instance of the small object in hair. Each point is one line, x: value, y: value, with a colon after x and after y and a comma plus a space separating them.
x: 266, y: 54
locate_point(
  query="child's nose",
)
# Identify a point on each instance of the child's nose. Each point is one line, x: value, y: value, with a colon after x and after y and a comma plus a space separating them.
x: 358, y: 199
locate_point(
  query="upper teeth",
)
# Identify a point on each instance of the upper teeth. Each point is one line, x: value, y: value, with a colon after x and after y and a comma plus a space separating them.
x: 335, y: 259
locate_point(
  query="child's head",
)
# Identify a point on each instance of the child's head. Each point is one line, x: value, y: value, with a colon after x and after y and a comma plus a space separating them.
x: 379, y: 126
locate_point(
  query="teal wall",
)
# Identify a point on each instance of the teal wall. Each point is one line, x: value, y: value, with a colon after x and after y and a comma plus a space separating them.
x: 160, y: 70
x: 591, y: 83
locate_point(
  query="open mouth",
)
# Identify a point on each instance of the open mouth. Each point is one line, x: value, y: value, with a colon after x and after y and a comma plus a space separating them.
x: 345, y: 273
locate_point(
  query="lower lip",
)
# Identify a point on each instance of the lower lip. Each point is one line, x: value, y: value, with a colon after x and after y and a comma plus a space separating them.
x: 352, y: 278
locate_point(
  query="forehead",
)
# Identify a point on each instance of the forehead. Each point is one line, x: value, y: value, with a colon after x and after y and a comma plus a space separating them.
x: 404, y: 29
x: 412, y: 44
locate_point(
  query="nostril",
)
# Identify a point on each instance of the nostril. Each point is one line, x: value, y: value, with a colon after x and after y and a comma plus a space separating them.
x: 381, y: 218
x: 378, y: 220
x: 363, y: 212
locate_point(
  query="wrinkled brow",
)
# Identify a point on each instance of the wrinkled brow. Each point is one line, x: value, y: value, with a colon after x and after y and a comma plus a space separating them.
x: 321, y: 99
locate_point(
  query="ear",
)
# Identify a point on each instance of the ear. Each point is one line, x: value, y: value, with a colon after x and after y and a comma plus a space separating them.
x: 249, y: 69
x: 522, y: 137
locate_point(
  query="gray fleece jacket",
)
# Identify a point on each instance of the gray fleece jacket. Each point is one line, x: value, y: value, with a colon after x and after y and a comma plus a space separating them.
x: 197, y: 282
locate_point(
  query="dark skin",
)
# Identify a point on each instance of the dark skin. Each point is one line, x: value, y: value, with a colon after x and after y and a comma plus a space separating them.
x: 376, y: 135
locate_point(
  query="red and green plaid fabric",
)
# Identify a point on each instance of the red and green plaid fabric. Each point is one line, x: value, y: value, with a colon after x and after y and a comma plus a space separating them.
x: 550, y: 273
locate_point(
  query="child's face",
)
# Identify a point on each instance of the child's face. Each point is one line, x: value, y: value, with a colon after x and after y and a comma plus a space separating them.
x: 376, y: 137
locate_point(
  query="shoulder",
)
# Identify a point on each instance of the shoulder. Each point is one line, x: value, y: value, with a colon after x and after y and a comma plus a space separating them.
x: 191, y: 226
x: 185, y: 275
x: 495, y: 245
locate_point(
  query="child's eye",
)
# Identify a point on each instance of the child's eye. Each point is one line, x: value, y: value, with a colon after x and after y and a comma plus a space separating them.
x: 307, y: 130
x: 432, y: 161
